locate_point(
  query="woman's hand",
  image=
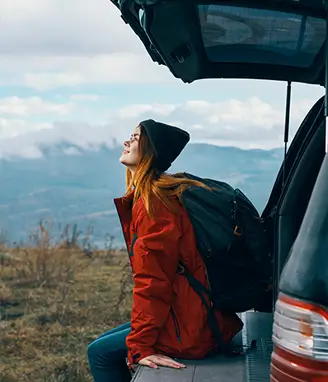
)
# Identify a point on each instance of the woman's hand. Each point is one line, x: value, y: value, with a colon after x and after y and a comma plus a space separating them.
x: 156, y: 360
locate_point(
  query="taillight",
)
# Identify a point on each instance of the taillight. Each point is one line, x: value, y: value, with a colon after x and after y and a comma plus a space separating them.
x: 301, y: 328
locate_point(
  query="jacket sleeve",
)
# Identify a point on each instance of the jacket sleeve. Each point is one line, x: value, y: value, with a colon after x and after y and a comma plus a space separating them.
x: 155, y: 264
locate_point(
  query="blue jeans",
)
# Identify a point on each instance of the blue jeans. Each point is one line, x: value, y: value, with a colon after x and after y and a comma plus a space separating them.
x: 107, y: 355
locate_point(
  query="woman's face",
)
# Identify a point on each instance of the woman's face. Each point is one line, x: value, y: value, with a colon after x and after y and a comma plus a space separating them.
x: 130, y: 155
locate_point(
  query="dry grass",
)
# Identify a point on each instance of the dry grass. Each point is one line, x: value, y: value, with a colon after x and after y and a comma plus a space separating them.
x: 54, y: 299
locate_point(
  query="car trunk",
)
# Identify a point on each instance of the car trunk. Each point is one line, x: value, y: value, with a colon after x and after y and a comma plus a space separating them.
x: 283, y: 41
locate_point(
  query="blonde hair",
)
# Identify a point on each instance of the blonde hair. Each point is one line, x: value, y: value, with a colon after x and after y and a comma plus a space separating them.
x: 148, y: 182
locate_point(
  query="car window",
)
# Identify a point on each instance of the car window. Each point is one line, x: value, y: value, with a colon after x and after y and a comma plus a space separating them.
x: 238, y: 34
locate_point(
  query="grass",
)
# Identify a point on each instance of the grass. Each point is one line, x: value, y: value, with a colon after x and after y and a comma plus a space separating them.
x: 54, y: 299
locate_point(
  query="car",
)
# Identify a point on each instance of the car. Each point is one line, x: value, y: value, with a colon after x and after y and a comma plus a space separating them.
x: 281, y: 40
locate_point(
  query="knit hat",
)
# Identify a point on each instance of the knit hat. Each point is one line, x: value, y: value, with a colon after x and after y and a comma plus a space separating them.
x: 167, y: 142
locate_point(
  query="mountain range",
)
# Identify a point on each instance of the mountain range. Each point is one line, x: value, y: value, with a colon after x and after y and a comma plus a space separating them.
x: 70, y: 185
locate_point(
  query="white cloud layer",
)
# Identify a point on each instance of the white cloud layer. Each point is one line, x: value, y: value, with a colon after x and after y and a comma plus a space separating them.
x: 125, y: 68
x: 64, y: 28
x: 50, y: 72
x: 53, y: 43
x: 25, y: 107
x: 249, y: 124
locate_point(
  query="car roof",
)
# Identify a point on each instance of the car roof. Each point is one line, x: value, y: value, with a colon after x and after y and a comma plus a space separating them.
x: 274, y: 40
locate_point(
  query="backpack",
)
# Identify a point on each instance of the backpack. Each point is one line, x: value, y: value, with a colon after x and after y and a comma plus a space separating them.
x: 232, y: 242
x: 233, y: 245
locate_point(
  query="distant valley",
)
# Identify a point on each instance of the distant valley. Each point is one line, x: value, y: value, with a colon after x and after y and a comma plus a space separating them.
x: 75, y: 186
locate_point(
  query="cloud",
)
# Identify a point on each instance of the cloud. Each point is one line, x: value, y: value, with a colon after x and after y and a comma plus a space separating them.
x: 32, y: 137
x: 53, y: 43
x: 71, y: 151
x: 32, y: 105
x: 138, y: 110
x: 12, y: 128
x: 125, y: 68
x: 252, y: 123
x: 50, y: 72
x: 64, y: 28
x: 249, y: 124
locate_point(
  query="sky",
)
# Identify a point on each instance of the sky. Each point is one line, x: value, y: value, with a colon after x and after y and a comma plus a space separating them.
x: 73, y: 71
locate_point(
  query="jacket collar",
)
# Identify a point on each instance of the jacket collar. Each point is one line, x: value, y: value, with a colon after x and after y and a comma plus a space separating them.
x: 124, y: 209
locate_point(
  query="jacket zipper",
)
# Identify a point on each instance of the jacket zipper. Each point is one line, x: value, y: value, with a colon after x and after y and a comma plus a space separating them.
x: 176, y: 325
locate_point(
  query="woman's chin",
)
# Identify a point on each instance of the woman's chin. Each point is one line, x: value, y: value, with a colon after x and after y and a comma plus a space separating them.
x: 126, y: 163
x: 123, y: 160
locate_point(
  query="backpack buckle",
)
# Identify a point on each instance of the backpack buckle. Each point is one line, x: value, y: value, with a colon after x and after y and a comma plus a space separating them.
x: 181, y: 269
x: 238, y: 231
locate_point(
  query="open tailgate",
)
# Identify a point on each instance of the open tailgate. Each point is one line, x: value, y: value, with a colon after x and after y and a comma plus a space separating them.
x: 276, y: 40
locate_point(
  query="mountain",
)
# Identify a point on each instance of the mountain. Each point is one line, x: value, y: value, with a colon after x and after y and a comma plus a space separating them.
x: 71, y: 185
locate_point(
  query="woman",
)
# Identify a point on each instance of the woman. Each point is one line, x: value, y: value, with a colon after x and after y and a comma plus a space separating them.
x: 168, y: 319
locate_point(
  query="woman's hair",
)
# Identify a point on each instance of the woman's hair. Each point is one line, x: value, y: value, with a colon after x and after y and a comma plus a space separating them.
x: 148, y: 182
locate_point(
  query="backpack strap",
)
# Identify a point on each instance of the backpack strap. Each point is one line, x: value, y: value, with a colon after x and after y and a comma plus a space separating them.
x: 200, y: 289
x: 196, y: 285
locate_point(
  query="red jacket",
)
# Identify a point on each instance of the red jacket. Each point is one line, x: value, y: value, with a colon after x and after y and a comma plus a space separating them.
x: 168, y: 316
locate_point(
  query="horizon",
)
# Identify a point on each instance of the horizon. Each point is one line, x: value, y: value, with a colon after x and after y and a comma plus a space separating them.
x: 70, y: 149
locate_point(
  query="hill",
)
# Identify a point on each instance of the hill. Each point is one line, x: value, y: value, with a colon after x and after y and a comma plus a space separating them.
x: 75, y: 186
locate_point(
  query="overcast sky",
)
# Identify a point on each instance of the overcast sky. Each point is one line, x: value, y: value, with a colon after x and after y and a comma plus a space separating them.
x: 73, y: 71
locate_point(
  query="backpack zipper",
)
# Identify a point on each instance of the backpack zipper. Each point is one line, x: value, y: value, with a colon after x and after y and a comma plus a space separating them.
x: 176, y: 325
